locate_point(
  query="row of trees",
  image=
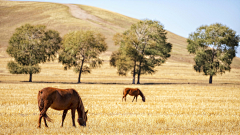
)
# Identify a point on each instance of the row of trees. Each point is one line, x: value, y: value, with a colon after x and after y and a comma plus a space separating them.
x: 141, y: 49
x: 32, y: 45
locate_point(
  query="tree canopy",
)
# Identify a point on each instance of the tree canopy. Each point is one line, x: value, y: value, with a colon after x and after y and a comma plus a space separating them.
x: 214, y: 47
x: 142, y: 47
x: 31, y: 45
x: 81, y: 50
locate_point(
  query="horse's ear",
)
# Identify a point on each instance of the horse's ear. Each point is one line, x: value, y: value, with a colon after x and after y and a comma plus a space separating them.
x: 86, y: 112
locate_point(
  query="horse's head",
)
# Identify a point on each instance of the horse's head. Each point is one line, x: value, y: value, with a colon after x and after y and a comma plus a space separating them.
x: 143, y: 99
x: 82, y: 121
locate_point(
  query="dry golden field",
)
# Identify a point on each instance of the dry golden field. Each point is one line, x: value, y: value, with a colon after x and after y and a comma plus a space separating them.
x: 178, y: 101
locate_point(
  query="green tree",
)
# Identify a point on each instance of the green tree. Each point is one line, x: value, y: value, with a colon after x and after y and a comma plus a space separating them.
x: 142, y: 48
x: 214, y: 47
x: 81, y: 49
x: 31, y: 45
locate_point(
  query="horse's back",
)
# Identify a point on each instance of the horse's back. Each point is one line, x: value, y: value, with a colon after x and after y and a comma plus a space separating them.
x: 131, y: 91
x: 64, y: 93
x: 61, y: 98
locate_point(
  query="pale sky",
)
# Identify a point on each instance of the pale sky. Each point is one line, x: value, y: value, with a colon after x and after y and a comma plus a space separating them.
x: 181, y: 17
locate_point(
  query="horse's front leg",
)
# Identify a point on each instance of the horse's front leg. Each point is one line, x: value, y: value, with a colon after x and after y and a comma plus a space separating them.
x: 136, y: 98
x: 63, y: 116
x: 133, y: 99
x: 73, y: 116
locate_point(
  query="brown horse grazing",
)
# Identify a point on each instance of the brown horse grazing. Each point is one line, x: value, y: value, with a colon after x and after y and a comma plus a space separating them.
x: 133, y: 92
x: 61, y: 99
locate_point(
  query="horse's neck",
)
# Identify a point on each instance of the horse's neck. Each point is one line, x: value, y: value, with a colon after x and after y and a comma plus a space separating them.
x: 80, y: 113
x: 80, y: 110
x: 141, y: 94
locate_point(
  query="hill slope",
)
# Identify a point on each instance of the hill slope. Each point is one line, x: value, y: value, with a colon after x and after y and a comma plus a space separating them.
x: 68, y: 17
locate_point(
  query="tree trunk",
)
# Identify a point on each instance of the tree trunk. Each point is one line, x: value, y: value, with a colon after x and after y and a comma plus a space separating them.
x: 134, y: 70
x: 80, y: 72
x: 210, y: 79
x: 138, y: 82
x: 139, y: 73
x: 30, y: 77
x: 140, y: 63
x: 79, y: 76
x: 133, y: 82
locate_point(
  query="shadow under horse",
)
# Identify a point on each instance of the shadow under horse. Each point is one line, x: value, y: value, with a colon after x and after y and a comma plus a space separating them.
x: 133, y: 92
x: 61, y: 99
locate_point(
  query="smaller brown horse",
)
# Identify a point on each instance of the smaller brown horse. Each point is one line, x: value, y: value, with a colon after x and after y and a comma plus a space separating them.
x: 133, y: 92
x: 61, y: 99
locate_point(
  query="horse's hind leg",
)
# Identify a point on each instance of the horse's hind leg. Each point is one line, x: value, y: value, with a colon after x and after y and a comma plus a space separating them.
x: 45, y: 122
x: 124, y: 97
x: 43, y: 114
x: 39, y: 121
x: 40, y: 116
x: 63, y: 116
x: 40, y: 106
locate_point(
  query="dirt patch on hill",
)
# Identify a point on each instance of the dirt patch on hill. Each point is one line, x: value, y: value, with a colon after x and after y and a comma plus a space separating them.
x: 83, y: 15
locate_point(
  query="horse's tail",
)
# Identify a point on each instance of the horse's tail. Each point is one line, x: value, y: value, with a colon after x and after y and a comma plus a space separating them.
x: 125, y: 92
x: 123, y: 95
x: 47, y: 118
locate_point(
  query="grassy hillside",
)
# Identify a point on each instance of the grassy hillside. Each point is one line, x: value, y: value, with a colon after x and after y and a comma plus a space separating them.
x: 54, y: 16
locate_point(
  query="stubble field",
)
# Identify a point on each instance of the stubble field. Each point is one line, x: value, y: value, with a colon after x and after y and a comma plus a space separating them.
x: 178, y: 100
